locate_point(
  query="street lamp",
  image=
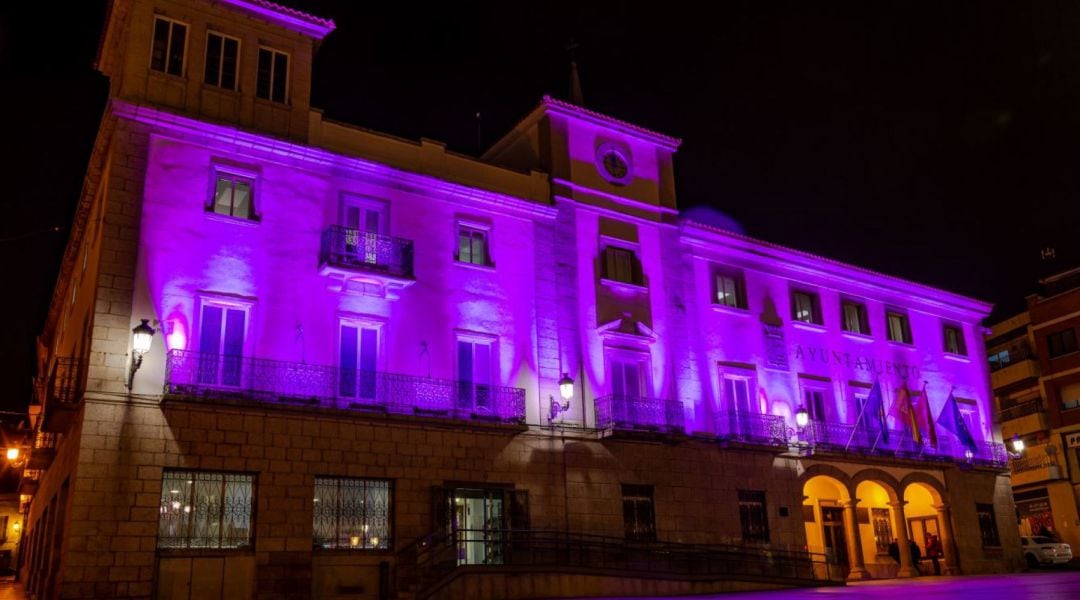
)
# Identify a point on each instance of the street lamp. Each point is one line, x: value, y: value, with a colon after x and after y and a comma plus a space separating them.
x: 142, y: 336
x: 1017, y: 444
x: 566, y: 391
x: 13, y: 454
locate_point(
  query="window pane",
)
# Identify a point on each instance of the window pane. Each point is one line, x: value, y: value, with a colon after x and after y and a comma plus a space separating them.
x: 347, y: 362
x: 223, y: 196
x: 213, y: 60
x: 203, y: 509
x: 174, y: 520
x: 351, y: 514
x: 262, y: 78
x: 160, y: 46
x: 228, y: 64
x: 236, y: 511
x: 281, y: 71
x: 242, y: 200
x: 477, y: 252
x: 176, y: 49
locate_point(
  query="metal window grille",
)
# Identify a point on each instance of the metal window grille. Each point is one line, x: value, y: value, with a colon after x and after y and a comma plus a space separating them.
x: 352, y: 514
x: 206, y: 510
x: 753, y: 517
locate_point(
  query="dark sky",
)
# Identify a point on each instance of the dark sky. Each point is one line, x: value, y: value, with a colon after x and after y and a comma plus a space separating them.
x: 938, y: 141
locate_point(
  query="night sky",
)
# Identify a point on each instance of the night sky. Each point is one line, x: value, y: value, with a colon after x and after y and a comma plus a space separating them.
x: 937, y: 141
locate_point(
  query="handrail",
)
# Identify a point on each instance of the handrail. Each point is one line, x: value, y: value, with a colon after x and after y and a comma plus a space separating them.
x: 1022, y: 409
x: 624, y: 411
x: 198, y: 374
x: 428, y: 561
x: 1031, y: 463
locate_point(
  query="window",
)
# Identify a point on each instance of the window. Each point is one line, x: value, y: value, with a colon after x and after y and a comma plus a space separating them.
x: 753, y: 517
x: 222, y: 54
x: 899, y: 328
x: 639, y: 515
x: 358, y: 360
x: 621, y: 264
x: 3, y: 529
x: 999, y: 360
x: 169, y: 46
x: 814, y: 401
x: 352, y: 514
x: 476, y: 366
x: 879, y: 519
x: 954, y: 340
x: 205, y: 509
x: 1061, y: 343
x: 730, y: 289
x: 805, y: 307
x: 273, y: 75
x: 221, y: 343
x: 736, y: 394
x: 233, y: 195
x: 628, y: 376
x: 1070, y: 396
x: 969, y: 412
x: 473, y: 245
x: 987, y: 525
x: 854, y: 317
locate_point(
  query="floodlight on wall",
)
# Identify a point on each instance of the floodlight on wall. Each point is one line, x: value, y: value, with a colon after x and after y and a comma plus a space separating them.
x: 142, y: 337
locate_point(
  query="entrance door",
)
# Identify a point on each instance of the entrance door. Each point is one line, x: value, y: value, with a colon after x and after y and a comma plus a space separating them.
x: 919, y: 528
x: 476, y: 523
x: 832, y: 532
x: 364, y: 221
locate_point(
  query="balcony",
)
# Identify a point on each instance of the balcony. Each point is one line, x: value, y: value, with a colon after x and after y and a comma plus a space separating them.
x: 366, y: 263
x: 639, y: 413
x: 842, y: 438
x: 1015, y: 365
x: 1024, y: 418
x: 749, y: 428
x: 216, y: 377
x: 62, y: 392
x: 1034, y: 468
x: 43, y: 451
x: 30, y: 482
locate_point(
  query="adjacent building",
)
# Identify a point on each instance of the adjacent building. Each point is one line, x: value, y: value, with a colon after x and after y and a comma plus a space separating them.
x: 288, y: 357
x: 1035, y: 372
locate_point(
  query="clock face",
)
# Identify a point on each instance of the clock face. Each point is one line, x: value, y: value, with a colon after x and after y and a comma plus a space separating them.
x: 614, y: 164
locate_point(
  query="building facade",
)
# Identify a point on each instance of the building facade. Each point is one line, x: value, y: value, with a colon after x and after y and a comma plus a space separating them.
x: 287, y: 357
x: 1034, y: 366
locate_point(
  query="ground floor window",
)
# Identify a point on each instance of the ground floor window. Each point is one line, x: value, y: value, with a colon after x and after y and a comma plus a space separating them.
x: 987, y: 525
x: 351, y: 514
x: 753, y: 517
x: 879, y: 518
x: 206, y: 509
x: 639, y: 514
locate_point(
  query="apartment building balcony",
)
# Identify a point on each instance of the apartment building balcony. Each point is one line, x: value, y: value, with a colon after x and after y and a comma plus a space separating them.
x: 639, y: 413
x: 29, y: 482
x: 1018, y: 365
x: 1035, y: 468
x: 194, y: 375
x: 1024, y: 418
x: 43, y: 451
x: 364, y: 262
x: 842, y: 438
x: 61, y: 394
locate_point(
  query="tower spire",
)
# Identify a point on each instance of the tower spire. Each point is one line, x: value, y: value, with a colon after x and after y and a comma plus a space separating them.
x: 575, y: 80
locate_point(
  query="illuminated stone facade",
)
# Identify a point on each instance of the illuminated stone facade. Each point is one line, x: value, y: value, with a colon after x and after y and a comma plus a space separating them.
x: 339, y: 310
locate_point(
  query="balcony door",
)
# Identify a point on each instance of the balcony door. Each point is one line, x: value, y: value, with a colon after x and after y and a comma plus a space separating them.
x: 737, y: 405
x: 629, y: 387
x: 358, y: 361
x: 221, y: 344
x: 475, y: 362
x: 365, y: 220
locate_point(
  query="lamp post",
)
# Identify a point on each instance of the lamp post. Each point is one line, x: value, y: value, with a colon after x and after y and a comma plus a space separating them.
x: 566, y: 391
x: 142, y: 336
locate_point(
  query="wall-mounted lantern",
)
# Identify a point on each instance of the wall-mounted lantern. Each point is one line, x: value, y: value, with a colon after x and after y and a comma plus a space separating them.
x: 802, y: 418
x: 566, y: 391
x: 142, y: 337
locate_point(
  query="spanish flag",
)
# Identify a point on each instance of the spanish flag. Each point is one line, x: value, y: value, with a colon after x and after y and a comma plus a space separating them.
x: 905, y: 414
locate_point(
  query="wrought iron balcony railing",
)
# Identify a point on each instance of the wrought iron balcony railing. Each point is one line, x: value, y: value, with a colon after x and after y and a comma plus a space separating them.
x: 1021, y: 410
x: 369, y: 252
x: 751, y: 428
x: 636, y: 412
x: 843, y: 437
x: 195, y: 374
x: 1017, y: 353
x: 1031, y: 463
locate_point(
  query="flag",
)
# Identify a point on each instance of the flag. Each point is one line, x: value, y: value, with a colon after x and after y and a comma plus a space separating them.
x: 931, y: 430
x: 904, y: 413
x: 873, y: 414
x: 951, y: 419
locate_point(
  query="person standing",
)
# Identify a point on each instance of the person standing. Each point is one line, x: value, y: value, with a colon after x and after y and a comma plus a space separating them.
x: 934, y: 551
x: 916, y: 556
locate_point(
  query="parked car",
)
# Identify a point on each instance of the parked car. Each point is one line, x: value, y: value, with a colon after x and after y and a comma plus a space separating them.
x: 1044, y: 551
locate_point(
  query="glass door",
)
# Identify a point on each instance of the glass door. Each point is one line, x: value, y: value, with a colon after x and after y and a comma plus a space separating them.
x: 476, y: 523
x: 365, y: 222
x: 832, y: 531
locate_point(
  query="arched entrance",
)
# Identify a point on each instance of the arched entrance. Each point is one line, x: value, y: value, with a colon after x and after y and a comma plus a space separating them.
x: 929, y: 524
x: 829, y: 518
